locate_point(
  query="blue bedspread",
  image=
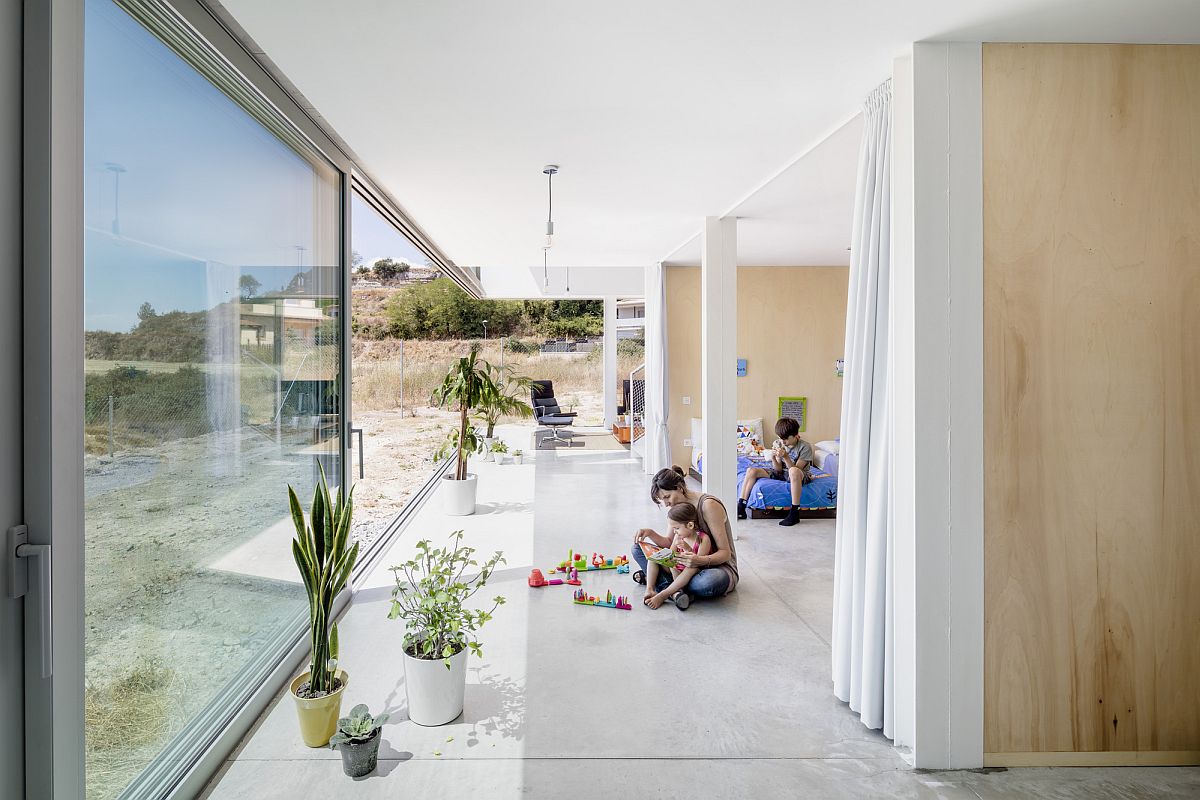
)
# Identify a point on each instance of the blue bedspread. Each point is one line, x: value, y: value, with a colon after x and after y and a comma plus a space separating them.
x: 768, y: 494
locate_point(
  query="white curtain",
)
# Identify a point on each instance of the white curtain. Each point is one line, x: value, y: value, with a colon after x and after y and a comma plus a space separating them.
x: 862, y: 584
x: 658, y: 441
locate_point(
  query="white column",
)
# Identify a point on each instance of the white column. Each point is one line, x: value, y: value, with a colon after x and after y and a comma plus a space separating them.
x: 610, y: 361
x: 903, y: 477
x: 718, y: 357
x: 946, y: 409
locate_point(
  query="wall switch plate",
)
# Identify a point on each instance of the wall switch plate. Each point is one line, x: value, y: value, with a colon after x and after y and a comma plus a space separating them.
x: 687, y: 442
x: 687, y: 400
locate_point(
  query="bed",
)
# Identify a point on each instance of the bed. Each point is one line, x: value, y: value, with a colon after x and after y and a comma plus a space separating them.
x: 827, y: 454
x: 770, y: 497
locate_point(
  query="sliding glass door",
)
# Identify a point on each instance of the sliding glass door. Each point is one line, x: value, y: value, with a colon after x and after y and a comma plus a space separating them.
x: 212, y: 380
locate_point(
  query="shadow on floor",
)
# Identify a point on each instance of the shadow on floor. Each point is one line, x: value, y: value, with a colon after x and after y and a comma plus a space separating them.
x: 492, y: 705
x: 389, y: 759
x: 502, y: 508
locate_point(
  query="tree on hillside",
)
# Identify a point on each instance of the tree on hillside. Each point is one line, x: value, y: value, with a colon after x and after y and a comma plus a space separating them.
x: 146, y: 312
x: 248, y: 286
x: 387, y: 268
x: 440, y: 309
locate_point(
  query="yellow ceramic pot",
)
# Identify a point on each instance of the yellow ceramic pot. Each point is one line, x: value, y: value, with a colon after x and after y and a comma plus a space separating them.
x: 319, y: 715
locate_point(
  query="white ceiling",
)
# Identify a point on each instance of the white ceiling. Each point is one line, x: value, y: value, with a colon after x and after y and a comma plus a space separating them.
x: 800, y: 217
x: 659, y: 113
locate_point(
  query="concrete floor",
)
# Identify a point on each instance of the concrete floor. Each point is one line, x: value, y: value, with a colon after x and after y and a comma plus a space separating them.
x: 729, y: 699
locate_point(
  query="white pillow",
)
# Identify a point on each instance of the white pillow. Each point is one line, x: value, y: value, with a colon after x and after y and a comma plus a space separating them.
x: 830, y: 446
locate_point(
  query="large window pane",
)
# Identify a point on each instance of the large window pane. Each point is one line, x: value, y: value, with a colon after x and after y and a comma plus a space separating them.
x: 393, y: 377
x: 212, y: 290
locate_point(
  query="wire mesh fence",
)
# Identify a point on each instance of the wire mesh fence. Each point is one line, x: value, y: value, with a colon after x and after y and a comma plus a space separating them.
x: 131, y: 406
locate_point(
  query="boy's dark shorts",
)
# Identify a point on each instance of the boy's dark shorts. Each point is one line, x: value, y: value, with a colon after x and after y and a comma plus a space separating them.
x: 782, y: 475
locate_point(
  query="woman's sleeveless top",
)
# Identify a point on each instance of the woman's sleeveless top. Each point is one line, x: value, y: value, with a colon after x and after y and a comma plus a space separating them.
x: 729, y: 566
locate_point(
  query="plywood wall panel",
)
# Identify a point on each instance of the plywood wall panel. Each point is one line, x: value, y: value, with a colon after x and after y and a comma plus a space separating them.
x: 1092, y: 397
x: 791, y: 329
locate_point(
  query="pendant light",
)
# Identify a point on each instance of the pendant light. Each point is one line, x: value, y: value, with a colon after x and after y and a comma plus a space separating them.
x: 550, y: 170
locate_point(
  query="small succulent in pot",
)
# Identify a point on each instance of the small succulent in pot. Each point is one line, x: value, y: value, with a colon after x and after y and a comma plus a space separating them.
x: 358, y: 735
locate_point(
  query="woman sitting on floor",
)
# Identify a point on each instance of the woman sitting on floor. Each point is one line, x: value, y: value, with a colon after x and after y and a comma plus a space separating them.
x: 717, y: 573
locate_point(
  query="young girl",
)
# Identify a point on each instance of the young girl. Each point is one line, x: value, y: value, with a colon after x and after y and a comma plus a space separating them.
x: 686, y: 537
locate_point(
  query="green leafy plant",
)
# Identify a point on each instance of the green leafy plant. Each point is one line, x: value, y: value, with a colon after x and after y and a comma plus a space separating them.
x: 431, y: 595
x: 324, y: 556
x: 467, y: 385
x: 499, y: 447
x: 504, y: 401
x: 471, y: 442
x: 518, y: 453
x: 357, y: 728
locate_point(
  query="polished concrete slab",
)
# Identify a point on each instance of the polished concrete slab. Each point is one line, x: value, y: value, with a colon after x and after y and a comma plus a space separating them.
x: 731, y: 698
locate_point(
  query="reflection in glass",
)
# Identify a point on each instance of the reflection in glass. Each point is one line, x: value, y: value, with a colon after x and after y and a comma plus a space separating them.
x: 212, y: 362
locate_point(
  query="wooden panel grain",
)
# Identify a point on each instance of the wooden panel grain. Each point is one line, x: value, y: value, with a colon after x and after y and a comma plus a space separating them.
x: 1092, y: 398
x: 791, y: 329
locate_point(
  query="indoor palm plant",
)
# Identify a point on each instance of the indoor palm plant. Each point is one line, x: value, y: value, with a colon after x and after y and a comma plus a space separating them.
x: 357, y: 738
x: 431, y: 597
x: 504, y: 401
x: 324, y: 557
x: 468, y: 385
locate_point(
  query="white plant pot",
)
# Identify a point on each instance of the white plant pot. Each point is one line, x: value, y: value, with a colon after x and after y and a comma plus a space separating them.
x: 459, y: 496
x: 435, y: 694
x: 519, y: 459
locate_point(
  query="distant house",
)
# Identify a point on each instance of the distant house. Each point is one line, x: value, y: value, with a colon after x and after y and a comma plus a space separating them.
x: 631, y: 318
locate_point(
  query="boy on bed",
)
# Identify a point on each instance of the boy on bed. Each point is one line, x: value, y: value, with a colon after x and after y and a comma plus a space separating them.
x: 790, y: 457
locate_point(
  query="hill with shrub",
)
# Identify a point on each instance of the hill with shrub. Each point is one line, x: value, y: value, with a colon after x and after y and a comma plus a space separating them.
x: 441, y: 310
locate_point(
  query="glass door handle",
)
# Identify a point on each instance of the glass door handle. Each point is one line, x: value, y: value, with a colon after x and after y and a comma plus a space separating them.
x: 359, y: 431
x: 20, y: 550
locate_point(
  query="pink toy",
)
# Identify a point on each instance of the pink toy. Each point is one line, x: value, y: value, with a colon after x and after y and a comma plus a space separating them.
x: 538, y: 580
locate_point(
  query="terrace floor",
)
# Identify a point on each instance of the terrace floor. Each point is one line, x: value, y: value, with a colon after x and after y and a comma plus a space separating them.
x: 731, y: 698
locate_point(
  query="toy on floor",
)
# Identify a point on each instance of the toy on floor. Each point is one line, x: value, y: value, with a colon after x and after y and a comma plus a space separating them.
x: 580, y: 562
x: 537, y: 579
x: 619, y: 601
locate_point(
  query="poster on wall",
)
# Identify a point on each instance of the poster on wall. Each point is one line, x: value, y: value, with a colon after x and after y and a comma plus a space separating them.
x: 796, y: 408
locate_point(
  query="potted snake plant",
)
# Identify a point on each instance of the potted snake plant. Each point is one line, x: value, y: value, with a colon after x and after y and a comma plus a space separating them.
x: 439, y: 629
x: 324, y: 557
x: 357, y: 739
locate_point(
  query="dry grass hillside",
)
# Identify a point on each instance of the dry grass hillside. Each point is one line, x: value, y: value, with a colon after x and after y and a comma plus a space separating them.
x: 379, y: 365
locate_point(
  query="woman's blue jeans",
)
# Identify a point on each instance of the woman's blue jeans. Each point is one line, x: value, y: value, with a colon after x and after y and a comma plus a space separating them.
x: 708, y: 582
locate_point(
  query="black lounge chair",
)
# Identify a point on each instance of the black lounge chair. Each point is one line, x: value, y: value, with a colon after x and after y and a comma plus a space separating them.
x: 547, y: 412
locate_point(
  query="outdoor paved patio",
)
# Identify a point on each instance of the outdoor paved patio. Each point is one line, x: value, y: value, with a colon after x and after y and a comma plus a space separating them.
x: 729, y: 699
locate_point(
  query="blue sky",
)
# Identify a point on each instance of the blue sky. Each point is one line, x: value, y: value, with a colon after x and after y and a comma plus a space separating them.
x: 206, y: 194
